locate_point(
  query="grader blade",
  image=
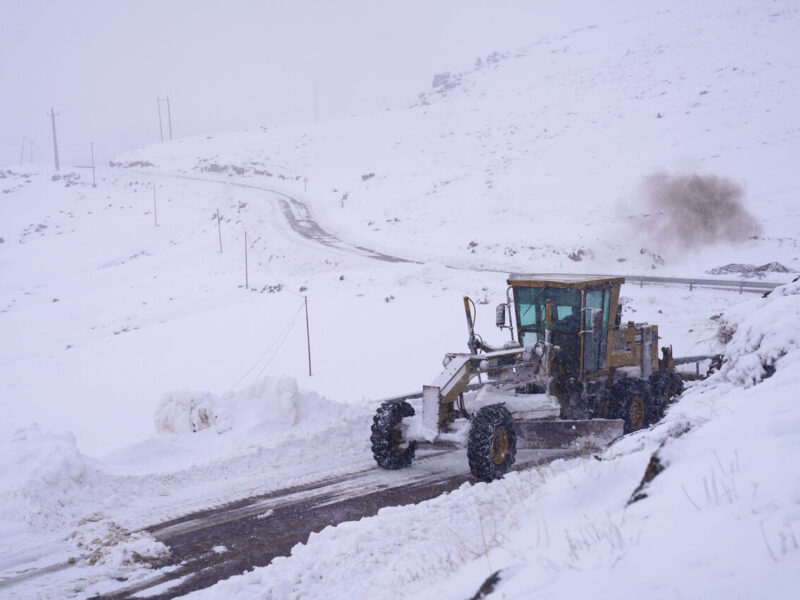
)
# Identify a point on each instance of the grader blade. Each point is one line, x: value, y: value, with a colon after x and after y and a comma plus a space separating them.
x: 561, y: 433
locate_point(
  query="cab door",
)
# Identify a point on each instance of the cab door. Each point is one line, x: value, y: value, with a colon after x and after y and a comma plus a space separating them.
x: 594, y: 340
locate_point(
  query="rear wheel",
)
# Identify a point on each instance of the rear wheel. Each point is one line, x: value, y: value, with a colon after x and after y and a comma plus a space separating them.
x: 390, y: 449
x: 492, y: 443
x: 636, y: 404
x: 665, y: 387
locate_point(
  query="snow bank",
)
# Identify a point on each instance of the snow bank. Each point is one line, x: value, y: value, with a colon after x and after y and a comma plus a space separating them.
x: 764, y: 335
x: 269, y: 401
x: 44, y: 479
x: 57, y: 504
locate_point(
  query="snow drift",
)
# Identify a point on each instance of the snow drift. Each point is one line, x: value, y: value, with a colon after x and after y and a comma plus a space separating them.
x: 764, y: 336
x: 269, y: 401
x: 44, y: 479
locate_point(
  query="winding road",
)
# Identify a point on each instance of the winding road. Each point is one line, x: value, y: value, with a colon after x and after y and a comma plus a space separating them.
x: 298, y: 217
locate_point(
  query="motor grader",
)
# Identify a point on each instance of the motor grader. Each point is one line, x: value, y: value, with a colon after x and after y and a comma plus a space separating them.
x: 572, y: 376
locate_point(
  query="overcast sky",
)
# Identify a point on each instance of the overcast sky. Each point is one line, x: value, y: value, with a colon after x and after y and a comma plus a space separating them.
x: 228, y: 64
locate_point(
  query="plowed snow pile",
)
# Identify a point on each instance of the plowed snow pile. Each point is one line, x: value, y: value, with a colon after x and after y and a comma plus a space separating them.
x: 44, y: 479
x: 766, y: 336
x: 725, y: 478
x: 56, y: 504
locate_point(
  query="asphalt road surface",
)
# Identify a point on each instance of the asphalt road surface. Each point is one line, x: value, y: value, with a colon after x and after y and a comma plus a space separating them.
x: 258, y: 529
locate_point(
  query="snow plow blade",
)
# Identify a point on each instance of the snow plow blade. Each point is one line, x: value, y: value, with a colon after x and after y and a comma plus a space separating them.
x: 592, y: 434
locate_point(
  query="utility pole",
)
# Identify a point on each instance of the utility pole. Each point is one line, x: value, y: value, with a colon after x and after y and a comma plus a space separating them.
x: 55, y: 139
x: 308, y: 335
x: 316, y: 101
x: 155, y: 206
x: 91, y: 148
x: 159, y: 100
x: 219, y: 229
x: 22, y: 152
x: 246, y: 281
x: 160, y: 126
x: 169, y: 119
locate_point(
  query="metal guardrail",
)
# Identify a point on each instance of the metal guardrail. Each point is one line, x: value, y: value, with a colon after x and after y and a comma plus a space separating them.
x: 737, y: 284
x: 729, y: 284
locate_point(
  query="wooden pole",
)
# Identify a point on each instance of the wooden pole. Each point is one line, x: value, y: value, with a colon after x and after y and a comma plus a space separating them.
x: 94, y: 181
x: 55, y: 139
x: 246, y: 279
x: 160, y: 126
x: 316, y: 102
x: 22, y: 152
x: 308, y: 335
x: 155, y: 206
x: 169, y: 119
x: 219, y: 230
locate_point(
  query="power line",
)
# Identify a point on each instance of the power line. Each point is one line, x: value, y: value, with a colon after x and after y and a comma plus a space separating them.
x: 285, y: 336
x: 279, y: 341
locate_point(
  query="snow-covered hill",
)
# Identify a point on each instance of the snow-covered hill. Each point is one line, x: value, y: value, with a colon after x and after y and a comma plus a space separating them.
x: 161, y: 374
x: 543, y: 152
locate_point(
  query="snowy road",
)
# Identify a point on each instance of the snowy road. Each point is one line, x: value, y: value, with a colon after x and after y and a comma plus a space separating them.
x: 213, y: 545
x: 297, y: 215
x: 299, y: 218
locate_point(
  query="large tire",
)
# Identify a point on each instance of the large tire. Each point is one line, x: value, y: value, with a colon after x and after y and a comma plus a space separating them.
x: 492, y: 443
x: 665, y: 386
x: 606, y: 407
x: 635, y: 403
x: 389, y: 448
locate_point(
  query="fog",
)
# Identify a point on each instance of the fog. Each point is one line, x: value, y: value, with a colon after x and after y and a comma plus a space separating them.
x: 225, y: 64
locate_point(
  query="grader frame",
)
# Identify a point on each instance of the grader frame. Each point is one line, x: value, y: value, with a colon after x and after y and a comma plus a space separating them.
x: 572, y: 376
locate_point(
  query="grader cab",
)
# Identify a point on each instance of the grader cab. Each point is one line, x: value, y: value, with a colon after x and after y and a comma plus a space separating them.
x: 572, y: 375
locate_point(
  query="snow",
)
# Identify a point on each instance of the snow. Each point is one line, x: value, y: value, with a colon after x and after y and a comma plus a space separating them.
x: 764, y: 332
x: 143, y: 377
x: 569, y: 527
x: 523, y: 406
x: 269, y: 401
x: 45, y: 477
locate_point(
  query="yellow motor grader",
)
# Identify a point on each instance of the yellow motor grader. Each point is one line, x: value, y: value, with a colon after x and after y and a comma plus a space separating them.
x: 573, y: 375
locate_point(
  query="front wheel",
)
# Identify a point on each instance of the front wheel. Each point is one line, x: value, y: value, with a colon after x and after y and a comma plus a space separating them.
x: 492, y: 443
x: 390, y: 449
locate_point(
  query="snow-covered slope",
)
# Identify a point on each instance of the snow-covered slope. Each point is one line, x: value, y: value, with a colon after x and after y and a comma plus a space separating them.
x: 541, y: 152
